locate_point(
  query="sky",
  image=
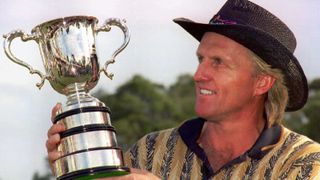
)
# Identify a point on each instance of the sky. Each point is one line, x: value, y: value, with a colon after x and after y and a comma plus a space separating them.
x: 159, y: 50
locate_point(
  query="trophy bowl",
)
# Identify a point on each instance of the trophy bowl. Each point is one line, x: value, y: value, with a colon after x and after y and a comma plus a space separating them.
x: 68, y: 50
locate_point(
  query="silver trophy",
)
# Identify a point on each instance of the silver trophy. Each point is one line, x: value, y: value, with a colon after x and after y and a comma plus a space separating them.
x: 67, y: 47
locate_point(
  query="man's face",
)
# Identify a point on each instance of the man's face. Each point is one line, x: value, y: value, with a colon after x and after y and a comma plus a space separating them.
x: 224, y: 80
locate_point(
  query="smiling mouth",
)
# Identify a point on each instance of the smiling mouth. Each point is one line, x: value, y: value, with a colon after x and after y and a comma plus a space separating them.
x: 207, y: 92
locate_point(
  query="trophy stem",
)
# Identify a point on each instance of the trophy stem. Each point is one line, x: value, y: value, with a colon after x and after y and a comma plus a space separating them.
x: 78, y: 95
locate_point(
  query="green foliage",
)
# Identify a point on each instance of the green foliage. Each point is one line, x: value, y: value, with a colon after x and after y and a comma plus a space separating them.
x: 315, y: 84
x: 312, y: 111
x: 36, y: 176
x: 183, y: 95
x: 46, y: 176
x: 141, y: 106
x: 307, y: 120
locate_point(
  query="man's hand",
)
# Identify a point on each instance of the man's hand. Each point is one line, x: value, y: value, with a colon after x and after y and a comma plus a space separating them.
x: 54, y: 139
x: 53, y: 153
x: 135, y: 174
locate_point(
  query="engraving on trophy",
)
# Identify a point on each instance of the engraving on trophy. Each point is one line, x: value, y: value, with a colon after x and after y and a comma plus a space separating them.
x: 68, y: 51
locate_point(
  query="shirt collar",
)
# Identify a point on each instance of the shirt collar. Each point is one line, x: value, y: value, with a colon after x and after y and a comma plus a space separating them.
x: 190, y: 132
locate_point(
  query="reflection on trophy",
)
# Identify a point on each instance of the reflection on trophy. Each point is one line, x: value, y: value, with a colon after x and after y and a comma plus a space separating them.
x: 67, y: 47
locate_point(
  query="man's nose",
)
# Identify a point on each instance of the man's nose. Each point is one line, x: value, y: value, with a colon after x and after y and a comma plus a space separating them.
x: 202, y: 73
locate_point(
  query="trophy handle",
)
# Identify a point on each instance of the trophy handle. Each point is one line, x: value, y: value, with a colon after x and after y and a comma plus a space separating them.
x: 7, y: 49
x: 107, y: 27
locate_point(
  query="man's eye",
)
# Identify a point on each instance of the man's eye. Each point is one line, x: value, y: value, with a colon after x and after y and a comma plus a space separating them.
x: 216, y: 61
x: 200, y: 59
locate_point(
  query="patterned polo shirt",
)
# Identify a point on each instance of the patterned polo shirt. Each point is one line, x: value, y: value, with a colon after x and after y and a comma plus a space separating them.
x: 277, y: 154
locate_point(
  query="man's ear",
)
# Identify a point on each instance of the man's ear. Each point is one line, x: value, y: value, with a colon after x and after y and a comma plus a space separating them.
x: 264, y: 83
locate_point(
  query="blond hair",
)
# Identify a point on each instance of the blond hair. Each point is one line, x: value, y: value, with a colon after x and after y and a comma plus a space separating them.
x: 277, y: 97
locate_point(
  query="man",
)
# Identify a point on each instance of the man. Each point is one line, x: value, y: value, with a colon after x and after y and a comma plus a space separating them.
x: 246, y: 78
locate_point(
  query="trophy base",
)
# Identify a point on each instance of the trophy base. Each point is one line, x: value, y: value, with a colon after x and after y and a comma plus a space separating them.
x: 88, y: 145
x: 94, y: 173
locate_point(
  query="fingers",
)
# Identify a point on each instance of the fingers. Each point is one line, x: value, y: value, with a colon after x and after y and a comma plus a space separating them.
x: 55, y: 129
x: 53, y: 132
x: 54, y: 138
x: 135, y: 174
x: 55, y: 110
x: 54, y: 155
x: 138, y: 171
x: 52, y: 142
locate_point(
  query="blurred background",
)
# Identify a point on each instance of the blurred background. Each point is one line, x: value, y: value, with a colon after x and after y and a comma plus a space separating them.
x: 152, y: 88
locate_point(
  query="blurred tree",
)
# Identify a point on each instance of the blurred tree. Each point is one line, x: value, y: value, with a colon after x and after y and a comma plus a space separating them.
x: 140, y: 106
x: 306, y: 120
x: 36, y: 176
x: 312, y: 112
x: 182, y: 93
x: 315, y: 85
x: 46, y: 176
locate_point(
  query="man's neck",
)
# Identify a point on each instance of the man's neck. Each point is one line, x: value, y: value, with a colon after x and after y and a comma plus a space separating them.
x: 223, y: 141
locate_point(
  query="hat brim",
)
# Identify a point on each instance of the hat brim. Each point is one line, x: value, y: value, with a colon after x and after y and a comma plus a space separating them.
x: 266, y: 47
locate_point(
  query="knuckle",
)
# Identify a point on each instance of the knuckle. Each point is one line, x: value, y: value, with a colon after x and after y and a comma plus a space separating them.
x: 51, y: 130
x: 55, y: 129
x: 52, y: 142
x: 55, y: 110
x: 53, y: 156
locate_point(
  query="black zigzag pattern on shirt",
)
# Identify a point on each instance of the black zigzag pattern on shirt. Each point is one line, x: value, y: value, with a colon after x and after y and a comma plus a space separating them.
x: 187, y: 165
x: 134, y: 156
x: 167, y: 159
x: 150, y: 145
x: 292, y: 137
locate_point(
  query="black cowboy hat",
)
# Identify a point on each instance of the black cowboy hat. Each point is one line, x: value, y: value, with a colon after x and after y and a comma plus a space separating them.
x: 262, y: 33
